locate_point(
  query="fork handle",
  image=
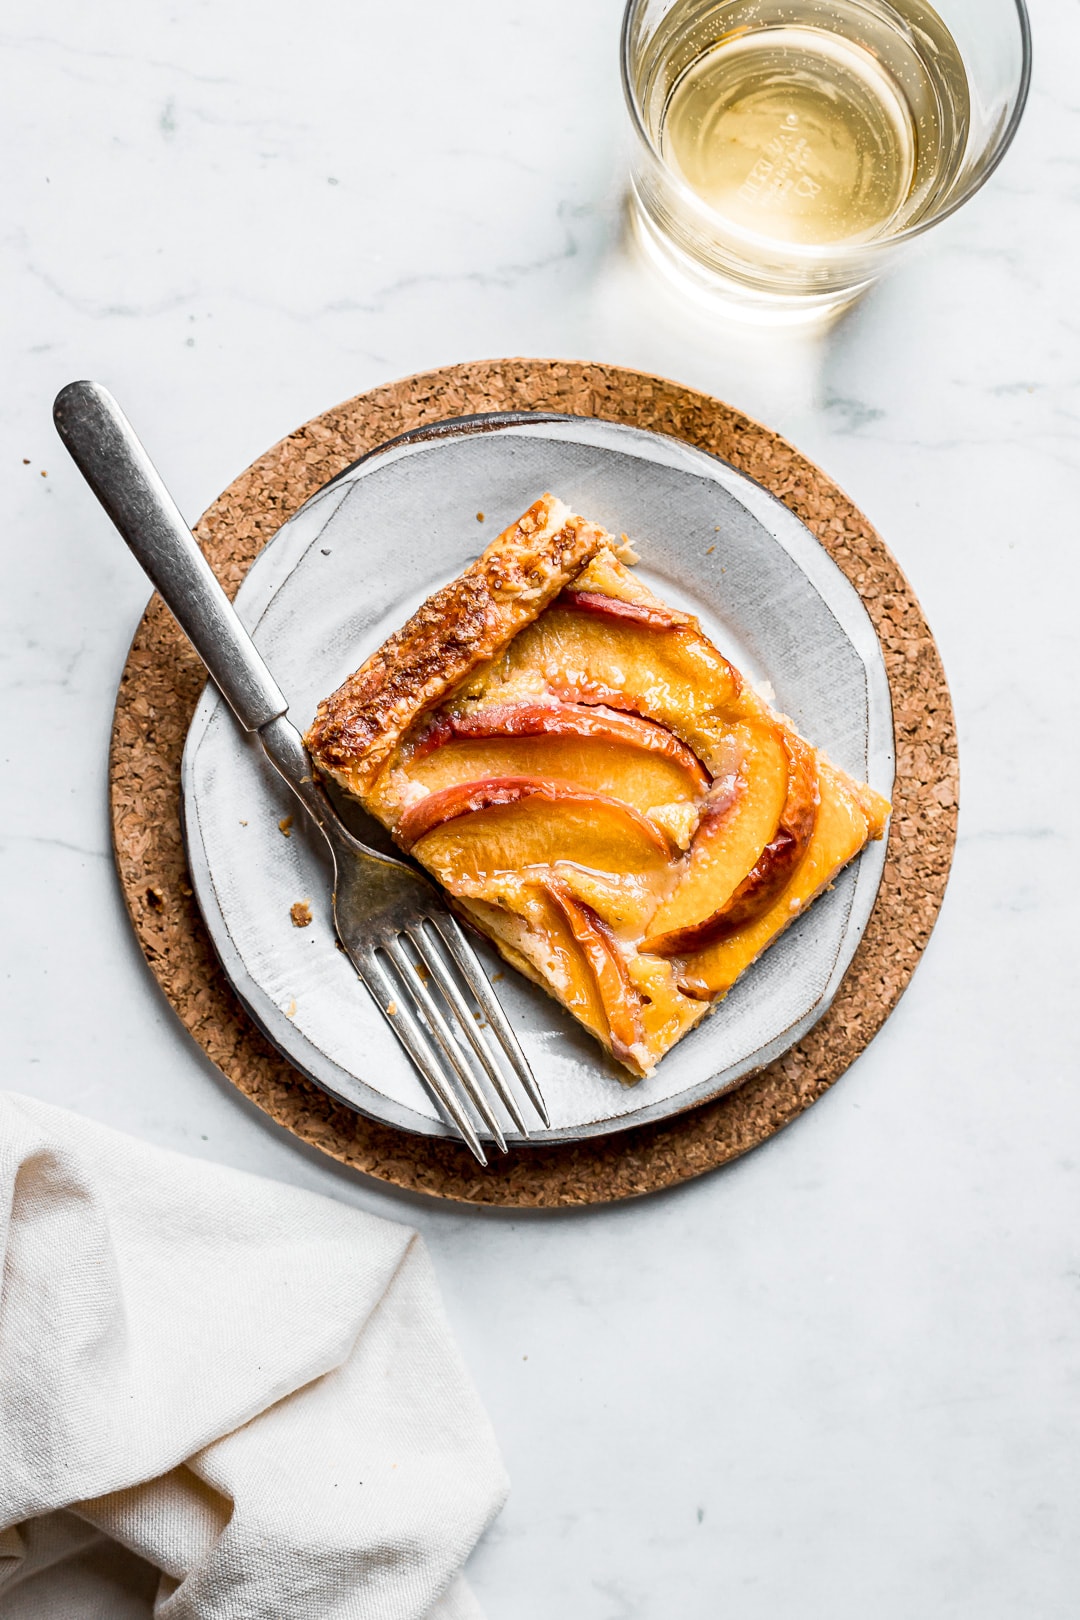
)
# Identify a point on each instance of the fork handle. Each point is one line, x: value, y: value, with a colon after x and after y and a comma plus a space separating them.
x: 105, y: 448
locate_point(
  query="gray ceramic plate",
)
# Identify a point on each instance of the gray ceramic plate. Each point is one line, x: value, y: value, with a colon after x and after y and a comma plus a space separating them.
x: 351, y: 566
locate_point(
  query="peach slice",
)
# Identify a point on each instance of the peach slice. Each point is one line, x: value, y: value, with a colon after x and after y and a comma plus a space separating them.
x: 595, y: 696
x: 565, y: 719
x: 742, y: 813
x: 533, y: 934
x: 618, y: 994
x: 840, y: 830
x: 597, y: 749
x: 625, y: 903
x: 583, y: 967
x: 616, y: 607
x: 666, y: 1013
x: 555, y: 940
x: 773, y: 870
x: 474, y: 832
x: 674, y: 676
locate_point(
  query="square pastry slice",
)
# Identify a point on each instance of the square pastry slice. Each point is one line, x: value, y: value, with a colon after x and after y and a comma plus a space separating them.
x: 597, y: 786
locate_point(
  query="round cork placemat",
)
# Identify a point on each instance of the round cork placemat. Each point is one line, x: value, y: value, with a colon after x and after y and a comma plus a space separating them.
x: 163, y: 678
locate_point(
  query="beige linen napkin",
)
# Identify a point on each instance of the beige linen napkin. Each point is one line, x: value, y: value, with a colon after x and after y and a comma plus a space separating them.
x: 221, y: 1398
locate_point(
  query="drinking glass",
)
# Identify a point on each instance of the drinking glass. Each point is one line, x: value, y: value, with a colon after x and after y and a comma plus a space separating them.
x: 786, y: 150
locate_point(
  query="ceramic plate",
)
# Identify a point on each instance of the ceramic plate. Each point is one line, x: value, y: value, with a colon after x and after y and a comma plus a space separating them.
x: 351, y: 566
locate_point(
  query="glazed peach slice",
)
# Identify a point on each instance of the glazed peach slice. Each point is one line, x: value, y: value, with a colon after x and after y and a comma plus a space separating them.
x: 475, y: 832
x: 625, y: 902
x: 840, y: 830
x: 773, y: 869
x: 672, y: 675
x: 553, y: 939
x: 621, y: 610
x: 533, y: 934
x: 564, y: 719
x: 595, y: 748
x: 742, y: 813
x: 619, y: 997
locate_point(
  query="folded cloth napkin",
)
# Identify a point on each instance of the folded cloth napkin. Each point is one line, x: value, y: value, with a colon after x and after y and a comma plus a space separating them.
x: 221, y: 1398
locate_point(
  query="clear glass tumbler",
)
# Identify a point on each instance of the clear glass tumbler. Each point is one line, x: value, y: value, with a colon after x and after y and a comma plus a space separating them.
x: 786, y: 150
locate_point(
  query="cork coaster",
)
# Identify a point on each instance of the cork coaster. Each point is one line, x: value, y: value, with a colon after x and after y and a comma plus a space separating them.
x: 163, y: 678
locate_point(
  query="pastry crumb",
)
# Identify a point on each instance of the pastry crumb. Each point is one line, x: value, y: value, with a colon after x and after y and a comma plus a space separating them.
x: 285, y: 826
x: 391, y: 1011
x: 300, y: 912
x: 479, y: 517
x: 155, y: 899
x: 290, y: 1011
x: 625, y: 551
x: 709, y: 550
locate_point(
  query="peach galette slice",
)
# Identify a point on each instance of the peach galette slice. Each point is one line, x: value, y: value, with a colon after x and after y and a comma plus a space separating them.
x: 605, y: 796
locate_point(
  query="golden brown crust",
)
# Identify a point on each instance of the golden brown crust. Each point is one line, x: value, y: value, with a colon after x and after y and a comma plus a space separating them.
x: 457, y: 629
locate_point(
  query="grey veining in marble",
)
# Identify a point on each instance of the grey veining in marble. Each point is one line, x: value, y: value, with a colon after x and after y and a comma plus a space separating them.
x: 842, y: 1379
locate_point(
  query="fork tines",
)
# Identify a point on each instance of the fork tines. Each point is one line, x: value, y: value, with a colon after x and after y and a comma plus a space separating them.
x: 411, y: 974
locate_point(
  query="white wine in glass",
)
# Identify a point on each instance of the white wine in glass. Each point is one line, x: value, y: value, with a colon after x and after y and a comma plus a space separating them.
x: 783, y: 146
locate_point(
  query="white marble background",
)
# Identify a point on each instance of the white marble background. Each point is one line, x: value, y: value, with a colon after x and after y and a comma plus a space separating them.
x: 841, y: 1379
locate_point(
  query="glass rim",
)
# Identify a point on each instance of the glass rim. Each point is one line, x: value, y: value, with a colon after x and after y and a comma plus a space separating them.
x: 856, y: 245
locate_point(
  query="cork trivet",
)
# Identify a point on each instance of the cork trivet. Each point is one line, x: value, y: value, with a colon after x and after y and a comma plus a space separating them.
x: 162, y: 681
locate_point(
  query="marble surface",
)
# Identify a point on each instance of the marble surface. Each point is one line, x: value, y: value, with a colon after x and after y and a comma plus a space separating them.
x: 840, y: 1379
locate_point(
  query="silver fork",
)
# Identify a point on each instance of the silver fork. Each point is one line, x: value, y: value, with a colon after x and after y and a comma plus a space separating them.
x: 395, y: 926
